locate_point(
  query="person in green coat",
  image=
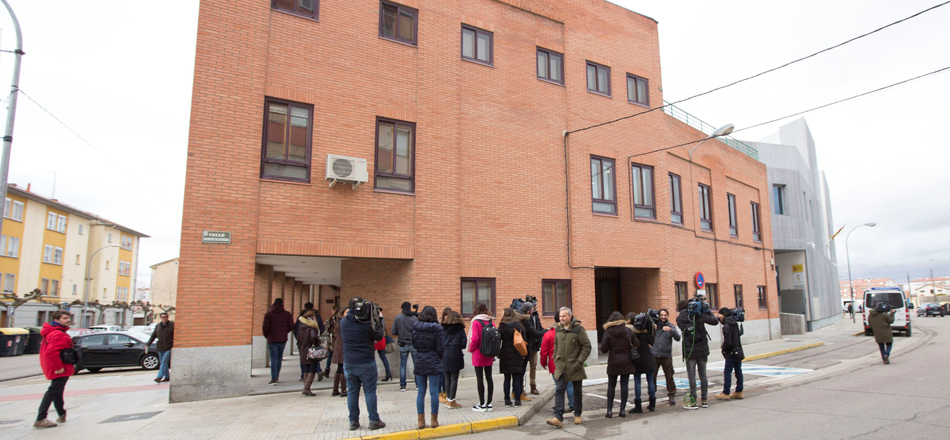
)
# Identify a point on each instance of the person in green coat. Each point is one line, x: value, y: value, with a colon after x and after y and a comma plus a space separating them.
x: 880, y: 320
x: 571, y: 349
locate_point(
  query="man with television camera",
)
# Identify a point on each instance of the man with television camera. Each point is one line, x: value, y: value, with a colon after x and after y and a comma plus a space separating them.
x: 731, y: 351
x: 693, y: 317
x: 360, y: 330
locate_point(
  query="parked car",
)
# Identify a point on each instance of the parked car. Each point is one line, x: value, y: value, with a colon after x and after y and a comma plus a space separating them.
x: 106, y: 328
x: 115, y: 349
x: 931, y: 309
x: 145, y: 329
x: 78, y: 332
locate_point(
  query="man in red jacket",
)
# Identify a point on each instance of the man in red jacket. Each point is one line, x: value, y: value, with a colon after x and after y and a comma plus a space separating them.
x: 55, y: 340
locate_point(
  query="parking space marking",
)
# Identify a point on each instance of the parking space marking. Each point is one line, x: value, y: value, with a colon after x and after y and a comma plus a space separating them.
x: 762, y: 370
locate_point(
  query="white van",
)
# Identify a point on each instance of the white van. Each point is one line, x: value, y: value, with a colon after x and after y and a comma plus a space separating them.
x: 894, y: 297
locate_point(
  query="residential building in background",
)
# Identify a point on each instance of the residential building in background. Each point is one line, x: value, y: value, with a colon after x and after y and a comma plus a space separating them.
x: 802, y: 226
x: 860, y: 285
x: 50, y: 245
x: 164, y: 285
x: 419, y: 151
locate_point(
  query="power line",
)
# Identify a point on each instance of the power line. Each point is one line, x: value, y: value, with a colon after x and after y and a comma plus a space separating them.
x: 764, y: 72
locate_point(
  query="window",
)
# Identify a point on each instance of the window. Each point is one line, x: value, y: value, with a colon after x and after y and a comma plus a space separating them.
x: 763, y: 299
x: 550, y: 66
x: 80, y: 229
x: 778, y: 199
x: 13, y: 210
x: 676, y: 200
x: 637, y: 90
x: 304, y: 8
x: 107, y: 264
x: 125, y: 268
x: 602, y: 185
x: 476, y: 290
x: 75, y: 289
x: 109, y: 237
x: 9, y: 246
x: 705, y: 210
x: 397, y: 23
x: 682, y: 291
x: 476, y: 45
x: 42, y: 318
x: 122, y: 340
x: 105, y: 291
x: 58, y: 256
x: 733, y: 227
x: 9, y: 282
x: 554, y: 295
x: 756, y: 227
x: 643, y: 204
x: 395, y: 159
x: 287, y: 136
x: 712, y: 296
x: 54, y: 287
x: 51, y: 218
x: 126, y: 242
x: 48, y: 251
x: 61, y: 223
x: 738, y: 289
x: 598, y: 78
x: 77, y: 259
x: 44, y: 286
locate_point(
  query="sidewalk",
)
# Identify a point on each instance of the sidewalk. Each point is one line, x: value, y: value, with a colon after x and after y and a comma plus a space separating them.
x: 92, y: 400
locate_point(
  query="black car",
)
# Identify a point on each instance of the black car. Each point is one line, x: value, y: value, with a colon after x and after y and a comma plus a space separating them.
x: 115, y: 349
x: 931, y: 309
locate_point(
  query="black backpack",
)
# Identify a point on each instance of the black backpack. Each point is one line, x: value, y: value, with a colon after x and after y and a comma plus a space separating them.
x: 491, y: 341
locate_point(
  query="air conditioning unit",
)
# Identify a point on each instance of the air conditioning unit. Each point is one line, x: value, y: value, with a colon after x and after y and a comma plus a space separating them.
x: 346, y: 169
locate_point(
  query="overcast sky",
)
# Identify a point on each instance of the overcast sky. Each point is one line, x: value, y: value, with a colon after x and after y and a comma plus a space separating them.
x: 119, y: 74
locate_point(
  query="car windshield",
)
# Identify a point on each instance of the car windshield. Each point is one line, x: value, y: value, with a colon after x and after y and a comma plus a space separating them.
x: 893, y: 299
x: 138, y: 336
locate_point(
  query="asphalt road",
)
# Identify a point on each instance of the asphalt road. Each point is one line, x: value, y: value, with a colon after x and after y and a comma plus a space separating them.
x: 838, y: 391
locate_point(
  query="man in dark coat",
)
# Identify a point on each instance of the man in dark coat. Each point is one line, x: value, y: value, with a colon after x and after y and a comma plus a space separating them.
x: 359, y: 365
x: 695, y: 350
x: 732, y: 353
x: 880, y: 320
x: 277, y: 324
x: 571, y: 349
x: 402, y: 330
x: 532, y: 323
x: 165, y: 333
x: 453, y: 357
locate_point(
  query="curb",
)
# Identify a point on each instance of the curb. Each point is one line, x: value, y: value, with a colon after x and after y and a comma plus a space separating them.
x: 781, y: 352
x: 858, y: 333
x: 447, y: 430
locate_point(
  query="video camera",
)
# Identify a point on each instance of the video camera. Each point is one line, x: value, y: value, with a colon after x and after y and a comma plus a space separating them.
x: 697, y: 306
x: 654, y: 315
x: 882, y: 307
x: 366, y: 311
x: 518, y: 302
x: 738, y: 313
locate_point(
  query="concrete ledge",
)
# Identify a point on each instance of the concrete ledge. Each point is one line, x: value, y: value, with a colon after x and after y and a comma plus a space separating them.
x: 446, y: 431
x: 780, y: 352
x: 401, y: 435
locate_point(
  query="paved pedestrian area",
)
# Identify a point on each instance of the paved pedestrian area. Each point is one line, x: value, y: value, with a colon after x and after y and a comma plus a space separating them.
x: 129, y: 405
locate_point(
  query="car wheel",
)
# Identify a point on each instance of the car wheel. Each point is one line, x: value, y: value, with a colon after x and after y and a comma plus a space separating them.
x: 150, y: 362
x: 94, y: 370
x: 908, y: 332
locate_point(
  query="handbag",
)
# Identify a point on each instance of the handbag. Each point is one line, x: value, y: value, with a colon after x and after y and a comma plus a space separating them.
x: 520, y: 344
x: 317, y: 353
x: 634, y: 353
x: 69, y: 356
x: 390, y: 344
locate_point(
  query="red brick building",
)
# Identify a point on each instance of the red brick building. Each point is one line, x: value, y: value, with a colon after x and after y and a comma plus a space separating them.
x: 474, y: 192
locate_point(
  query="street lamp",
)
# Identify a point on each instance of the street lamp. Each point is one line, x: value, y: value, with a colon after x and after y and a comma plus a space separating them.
x: 85, y: 293
x: 722, y: 131
x: 848, y: 255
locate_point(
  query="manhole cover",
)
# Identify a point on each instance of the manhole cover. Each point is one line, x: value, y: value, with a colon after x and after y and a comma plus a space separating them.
x: 130, y: 417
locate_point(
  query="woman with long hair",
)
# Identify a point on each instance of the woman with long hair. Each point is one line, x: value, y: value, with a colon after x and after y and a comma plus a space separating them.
x: 428, y: 338
x: 453, y: 358
x: 481, y: 362
x: 442, y: 390
x: 643, y: 329
x: 510, y: 361
x: 339, y: 380
x: 618, y: 338
x: 308, y: 334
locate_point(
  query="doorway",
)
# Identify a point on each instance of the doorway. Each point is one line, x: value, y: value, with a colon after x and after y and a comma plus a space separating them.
x: 607, y: 295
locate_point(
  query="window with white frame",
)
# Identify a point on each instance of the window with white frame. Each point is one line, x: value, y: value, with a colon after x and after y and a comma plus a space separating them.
x: 48, y: 251
x: 75, y: 289
x: 9, y: 282
x: 9, y: 246
x: 61, y: 224
x: 44, y: 286
x: 51, y: 218
x: 58, y: 256
x: 7, y: 205
x: 80, y: 229
x: 107, y: 264
x: 109, y: 237
x: 13, y: 210
x: 54, y: 287
x: 126, y: 242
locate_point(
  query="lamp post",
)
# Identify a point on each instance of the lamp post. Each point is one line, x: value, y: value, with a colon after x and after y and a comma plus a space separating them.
x: 85, y: 293
x: 722, y: 131
x: 848, y: 255
x: 11, y: 109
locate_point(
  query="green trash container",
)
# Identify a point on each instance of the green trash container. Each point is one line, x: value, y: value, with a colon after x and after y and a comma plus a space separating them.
x: 12, y: 341
x: 34, y: 341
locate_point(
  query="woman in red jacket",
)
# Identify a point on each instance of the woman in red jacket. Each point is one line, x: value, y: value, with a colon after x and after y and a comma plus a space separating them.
x: 55, y: 340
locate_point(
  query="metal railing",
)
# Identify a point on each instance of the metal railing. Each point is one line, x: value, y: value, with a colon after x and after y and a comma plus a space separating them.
x: 704, y: 127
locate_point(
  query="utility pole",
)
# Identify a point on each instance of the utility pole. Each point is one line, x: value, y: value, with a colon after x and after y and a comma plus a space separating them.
x: 11, y: 110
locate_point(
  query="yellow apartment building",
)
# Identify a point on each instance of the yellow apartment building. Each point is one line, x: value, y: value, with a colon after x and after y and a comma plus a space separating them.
x: 52, y: 246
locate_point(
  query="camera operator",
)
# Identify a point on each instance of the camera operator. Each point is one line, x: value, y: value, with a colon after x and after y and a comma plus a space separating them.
x: 535, y: 333
x: 693, y: 318
x: 402, y: 330
x: 666, y: 332
x: 731, y: 352
x: 359, y: 332
x: 880, y: 320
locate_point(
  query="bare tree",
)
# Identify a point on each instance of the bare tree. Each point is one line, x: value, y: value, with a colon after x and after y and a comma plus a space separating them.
x: 14, y: 300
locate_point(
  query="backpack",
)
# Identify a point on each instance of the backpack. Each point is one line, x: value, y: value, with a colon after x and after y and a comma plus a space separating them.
x: 491, y: 341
